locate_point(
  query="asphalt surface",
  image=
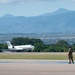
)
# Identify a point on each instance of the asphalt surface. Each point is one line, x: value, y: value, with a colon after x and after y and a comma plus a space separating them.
x: 36, y: 67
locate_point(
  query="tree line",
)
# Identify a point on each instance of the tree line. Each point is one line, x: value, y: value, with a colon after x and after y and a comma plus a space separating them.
x: 40, y: 46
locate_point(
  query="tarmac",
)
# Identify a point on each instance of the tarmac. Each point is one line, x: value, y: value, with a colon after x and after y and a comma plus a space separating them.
x: 36, y: 67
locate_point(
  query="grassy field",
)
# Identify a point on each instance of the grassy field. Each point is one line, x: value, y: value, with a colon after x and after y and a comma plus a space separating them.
x: 45, y: 56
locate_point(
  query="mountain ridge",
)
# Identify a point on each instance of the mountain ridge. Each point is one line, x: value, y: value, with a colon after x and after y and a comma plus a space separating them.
x: 60, y: 22
x: 58, y: 11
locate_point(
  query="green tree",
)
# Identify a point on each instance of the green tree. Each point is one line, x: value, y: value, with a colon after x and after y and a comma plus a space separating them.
x: 3, y: 46
x: 73, y: 46
x: 39, y: 47
x: 21, y: 41
x: 63, y: 45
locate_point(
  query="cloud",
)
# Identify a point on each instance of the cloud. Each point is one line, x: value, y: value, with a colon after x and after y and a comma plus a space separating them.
x: 7, y: 1
x: 14, y: 1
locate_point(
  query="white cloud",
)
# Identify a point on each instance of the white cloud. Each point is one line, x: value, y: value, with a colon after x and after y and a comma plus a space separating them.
x: 7, y: 1
x: 13, y: 1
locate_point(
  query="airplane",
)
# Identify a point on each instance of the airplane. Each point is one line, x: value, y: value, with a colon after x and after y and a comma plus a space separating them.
x: 19, y: 47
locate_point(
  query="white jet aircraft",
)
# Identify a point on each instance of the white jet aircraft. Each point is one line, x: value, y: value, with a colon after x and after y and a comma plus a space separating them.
x: 19, y: 47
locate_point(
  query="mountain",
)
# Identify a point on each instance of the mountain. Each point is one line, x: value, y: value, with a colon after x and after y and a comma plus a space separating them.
x: 8, y: 16
x: 59, y: 11
x: 61, y: 20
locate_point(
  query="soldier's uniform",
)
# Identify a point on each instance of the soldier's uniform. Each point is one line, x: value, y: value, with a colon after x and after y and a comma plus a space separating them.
x: 70, y: 55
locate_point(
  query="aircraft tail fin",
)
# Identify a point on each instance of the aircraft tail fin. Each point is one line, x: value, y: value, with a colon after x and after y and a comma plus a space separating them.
x: 9, y: 44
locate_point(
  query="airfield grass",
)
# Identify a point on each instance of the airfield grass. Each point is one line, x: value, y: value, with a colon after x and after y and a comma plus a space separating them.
x: 43, y: 56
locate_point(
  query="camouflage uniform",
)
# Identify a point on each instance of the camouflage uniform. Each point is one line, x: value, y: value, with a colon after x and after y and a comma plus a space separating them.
x: 70, y: 55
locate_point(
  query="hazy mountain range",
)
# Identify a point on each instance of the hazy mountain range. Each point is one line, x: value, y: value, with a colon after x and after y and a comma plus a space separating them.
x: 61, y: 20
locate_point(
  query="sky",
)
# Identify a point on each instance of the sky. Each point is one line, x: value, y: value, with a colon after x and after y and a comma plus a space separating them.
x: 33, y: 7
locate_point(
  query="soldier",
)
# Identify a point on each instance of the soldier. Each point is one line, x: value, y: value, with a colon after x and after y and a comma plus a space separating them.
x: 70, y: 55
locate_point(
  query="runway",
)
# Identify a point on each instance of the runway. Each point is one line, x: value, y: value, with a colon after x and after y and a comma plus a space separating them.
x: 35, y: 67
